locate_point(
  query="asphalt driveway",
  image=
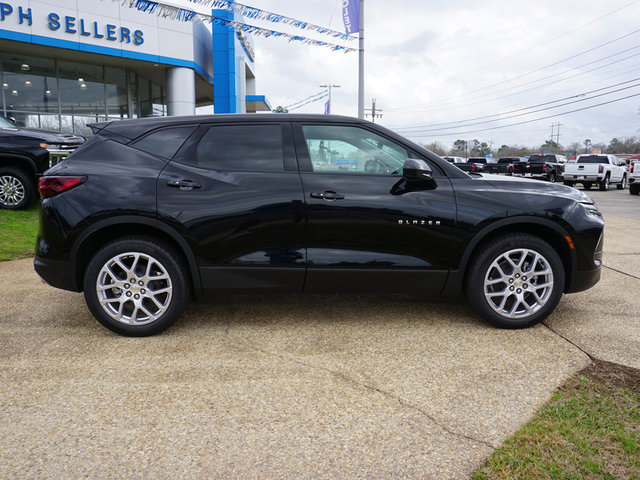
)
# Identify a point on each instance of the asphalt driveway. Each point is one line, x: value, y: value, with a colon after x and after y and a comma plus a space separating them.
x: 291, y: 386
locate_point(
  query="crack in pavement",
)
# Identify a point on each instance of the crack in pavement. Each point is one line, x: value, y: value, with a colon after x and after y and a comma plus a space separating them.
x: 355, y: 382
x: 591, y: 357
x: 621, y: 272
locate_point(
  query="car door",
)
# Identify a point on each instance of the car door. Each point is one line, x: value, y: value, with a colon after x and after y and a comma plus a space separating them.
x: 234, y: 192
x: 368, y: 228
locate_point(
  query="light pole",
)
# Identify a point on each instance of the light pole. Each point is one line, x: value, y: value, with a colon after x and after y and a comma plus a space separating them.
x: 329, y: 86
x: 361, y: 62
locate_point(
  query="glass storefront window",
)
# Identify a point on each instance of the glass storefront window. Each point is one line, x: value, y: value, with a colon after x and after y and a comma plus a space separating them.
x: 30, y: 89
x: 116, y: 83
x: 65, y: 96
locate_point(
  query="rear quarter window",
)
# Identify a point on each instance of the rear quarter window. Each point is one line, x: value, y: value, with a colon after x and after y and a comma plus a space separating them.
x: 164, y: 142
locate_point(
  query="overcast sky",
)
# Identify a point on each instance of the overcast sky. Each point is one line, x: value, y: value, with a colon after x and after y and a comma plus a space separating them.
x: 432, y: 63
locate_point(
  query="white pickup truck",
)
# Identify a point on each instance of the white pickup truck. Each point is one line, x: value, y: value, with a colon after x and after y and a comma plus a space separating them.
x: 634, y: 177
x: 600, y: 169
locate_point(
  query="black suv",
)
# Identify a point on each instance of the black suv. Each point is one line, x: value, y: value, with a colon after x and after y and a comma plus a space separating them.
x: 24, y: 154
x: 151, y: 213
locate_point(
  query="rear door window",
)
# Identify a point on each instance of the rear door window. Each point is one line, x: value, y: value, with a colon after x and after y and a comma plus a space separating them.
x: 243, y: 148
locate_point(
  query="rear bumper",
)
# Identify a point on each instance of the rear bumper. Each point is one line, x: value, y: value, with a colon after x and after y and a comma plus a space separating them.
x: 57, y: 273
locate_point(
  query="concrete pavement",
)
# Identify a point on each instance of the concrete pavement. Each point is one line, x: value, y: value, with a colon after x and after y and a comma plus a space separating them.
x: 291, y: 386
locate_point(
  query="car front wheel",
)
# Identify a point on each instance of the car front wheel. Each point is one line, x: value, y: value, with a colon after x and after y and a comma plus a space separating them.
x: 17, y: 191
x: 136, y: 286
x: 515, y: 281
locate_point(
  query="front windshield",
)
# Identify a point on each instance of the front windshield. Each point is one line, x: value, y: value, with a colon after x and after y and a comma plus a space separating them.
x: 4, y: 123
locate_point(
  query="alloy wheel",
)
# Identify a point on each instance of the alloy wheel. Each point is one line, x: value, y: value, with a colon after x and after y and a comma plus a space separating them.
x: 518, y: 283
x: 134, y: 288
x: 12, y: 191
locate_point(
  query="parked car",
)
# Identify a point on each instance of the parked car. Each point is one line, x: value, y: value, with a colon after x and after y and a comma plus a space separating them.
x: 454, y: 159
x: 541, y: 167
x: 24, y: 154
x: 634, y: 177
x: 602, y: 170
x: 151, y: 213
x: 474, y: 164
x: 504, y: 165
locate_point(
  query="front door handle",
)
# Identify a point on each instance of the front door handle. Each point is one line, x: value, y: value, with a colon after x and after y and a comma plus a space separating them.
x: 183, y: 184
x: 327, y: 195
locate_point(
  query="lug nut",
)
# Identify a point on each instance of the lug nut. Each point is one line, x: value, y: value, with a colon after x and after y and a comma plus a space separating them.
x: 133, y: 280
x: 126, y: 285
x: 143, y: 291
x: 136, y: 296
x: 525, y: 286
x: 512, y: 288
x: 517, y: 275
x: 511, y: 280
x: 519, y: 290
x: 524, y: 279
x: 141, y: 283
x: 128, y: 294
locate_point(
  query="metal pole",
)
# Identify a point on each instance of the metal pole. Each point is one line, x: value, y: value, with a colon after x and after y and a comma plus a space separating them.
x: 329, y: 86
x: 361, y: 63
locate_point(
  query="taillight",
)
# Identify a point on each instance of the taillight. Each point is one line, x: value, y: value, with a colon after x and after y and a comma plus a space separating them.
x: 544, y: 167
x: 562, y: 168
x: 50, y: 186
x: 601, y: 169
x: 509, y: 168
x: 473, y: 167
x: 632, y: 165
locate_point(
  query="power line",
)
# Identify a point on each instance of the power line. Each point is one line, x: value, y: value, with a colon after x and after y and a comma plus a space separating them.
x: 530, y: 73
x: 568, y: 32
x: 445, y: 126
x: 559, y: 80
x: 525, y: 121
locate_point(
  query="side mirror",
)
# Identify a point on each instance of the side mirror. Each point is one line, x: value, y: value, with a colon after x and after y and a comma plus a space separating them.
x: 414, y: 169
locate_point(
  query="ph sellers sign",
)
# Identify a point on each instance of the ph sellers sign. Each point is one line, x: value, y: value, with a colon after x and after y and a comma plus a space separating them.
x: 69, y: 24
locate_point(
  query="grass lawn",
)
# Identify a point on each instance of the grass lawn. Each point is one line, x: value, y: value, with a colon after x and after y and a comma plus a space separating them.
x: 18, y: 230
x: 589, y: 430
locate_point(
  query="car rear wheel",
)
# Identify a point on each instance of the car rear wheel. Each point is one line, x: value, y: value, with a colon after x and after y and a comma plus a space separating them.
x: 569, y: 184
x: 623, y: 184
x: 552, y: 177
x: 136, y: 286
x: 604, y: 184
x: 634, y: 188
x: 515, y: 281
x: 587, y: 185
x: 17, y: 191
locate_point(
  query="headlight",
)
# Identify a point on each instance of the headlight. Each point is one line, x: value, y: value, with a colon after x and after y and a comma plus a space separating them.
x: 591, y: 209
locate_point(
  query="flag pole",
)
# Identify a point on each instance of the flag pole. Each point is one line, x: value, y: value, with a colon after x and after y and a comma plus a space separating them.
x: 361, y: 62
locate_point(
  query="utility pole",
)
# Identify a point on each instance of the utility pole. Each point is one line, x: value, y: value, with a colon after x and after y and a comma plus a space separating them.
x: 329, y: 87
x: 557, y: 135
x: 374, y: 112
x: 361, y: 62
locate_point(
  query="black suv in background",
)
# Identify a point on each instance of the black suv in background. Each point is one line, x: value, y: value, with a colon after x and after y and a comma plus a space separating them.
x: 24, y: 154
x: 151, y: 213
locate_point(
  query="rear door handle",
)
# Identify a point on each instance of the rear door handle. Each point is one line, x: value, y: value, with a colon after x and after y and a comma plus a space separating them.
x: 183, y: 184
x: 327, y: 195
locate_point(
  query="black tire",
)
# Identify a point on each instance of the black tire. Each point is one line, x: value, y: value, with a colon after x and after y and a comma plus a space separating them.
x: 568, y: 184
x: 17, y: 190
x: 634, y: 188
x: 129, y: 298
x: 623, y: 184
x: 587, y: 185
x: 519, y: 285
x: 552, y: 177
x: 604, y: 184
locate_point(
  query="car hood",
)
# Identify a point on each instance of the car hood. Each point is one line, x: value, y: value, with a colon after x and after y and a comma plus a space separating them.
x: 42, y: 135
x: 526, y: 185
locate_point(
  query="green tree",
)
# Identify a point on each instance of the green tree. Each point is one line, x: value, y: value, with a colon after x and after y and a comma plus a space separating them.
x: 460, y: 148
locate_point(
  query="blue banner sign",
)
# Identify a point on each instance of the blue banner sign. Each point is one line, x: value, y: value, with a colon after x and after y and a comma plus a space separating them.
x: 69, y: 24
x: 351, y: 15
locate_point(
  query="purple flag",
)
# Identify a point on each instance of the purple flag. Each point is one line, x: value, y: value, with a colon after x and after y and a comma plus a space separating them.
x: 351, y: 15
x: 327, y: 108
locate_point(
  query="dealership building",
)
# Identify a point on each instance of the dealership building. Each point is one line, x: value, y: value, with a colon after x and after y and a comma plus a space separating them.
x: 66, y: 63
